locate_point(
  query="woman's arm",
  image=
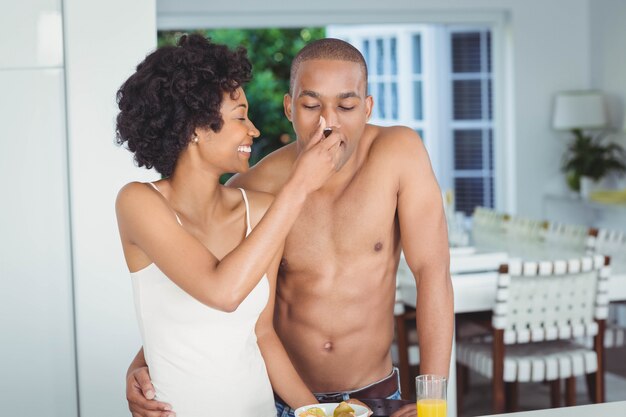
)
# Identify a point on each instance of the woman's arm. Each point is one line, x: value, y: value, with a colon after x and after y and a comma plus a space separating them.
x: 146, y: 221
x: 285, y: 380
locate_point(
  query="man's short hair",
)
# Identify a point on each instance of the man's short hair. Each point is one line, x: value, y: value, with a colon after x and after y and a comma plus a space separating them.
x: 328, y: 48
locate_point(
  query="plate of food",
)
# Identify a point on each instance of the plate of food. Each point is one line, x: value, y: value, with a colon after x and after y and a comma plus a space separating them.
x: 332, y: 410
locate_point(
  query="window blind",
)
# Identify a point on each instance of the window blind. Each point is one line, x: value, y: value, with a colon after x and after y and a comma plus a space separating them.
x: 471, y: 123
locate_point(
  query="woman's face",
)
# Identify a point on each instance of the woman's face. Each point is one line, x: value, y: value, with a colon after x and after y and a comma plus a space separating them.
x: 229, y: 149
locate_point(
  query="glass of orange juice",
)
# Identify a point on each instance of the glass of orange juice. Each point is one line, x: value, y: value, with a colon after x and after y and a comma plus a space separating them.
x: 431, y: 395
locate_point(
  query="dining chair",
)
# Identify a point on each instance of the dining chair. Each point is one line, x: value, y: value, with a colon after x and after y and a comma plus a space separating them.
x: 524, y: 236
x: 542, y: 309
x: 406, y: 352
x: 615, y: 336
x: 488, y: 227
x: 526, y: 229
x: 571, y: 238
x: 613, y: 243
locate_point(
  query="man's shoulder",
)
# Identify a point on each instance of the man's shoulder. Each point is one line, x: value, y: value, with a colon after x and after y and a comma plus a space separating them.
x: 395, y: 143
x: 269, y: 174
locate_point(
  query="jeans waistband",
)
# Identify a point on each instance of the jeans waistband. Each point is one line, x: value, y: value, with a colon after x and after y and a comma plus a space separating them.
x: 379, y: 389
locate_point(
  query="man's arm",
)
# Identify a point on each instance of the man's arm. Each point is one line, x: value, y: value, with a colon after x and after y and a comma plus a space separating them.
x: 424, y: 237
x: 140, y: 392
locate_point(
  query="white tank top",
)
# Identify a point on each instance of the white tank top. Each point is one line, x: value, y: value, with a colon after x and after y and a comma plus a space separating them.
x: 202, y: 361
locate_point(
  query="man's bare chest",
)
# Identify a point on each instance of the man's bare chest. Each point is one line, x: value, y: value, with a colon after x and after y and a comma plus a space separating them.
x: 357, y: 222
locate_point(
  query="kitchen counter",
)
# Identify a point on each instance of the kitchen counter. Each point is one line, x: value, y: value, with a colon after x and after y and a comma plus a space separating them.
x: 614, y: 409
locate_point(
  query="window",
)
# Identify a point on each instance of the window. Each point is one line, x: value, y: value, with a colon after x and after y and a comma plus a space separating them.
x: 380, y: 54
x: 394, y: 62
x: 471, y: 122
x: 436, y: 79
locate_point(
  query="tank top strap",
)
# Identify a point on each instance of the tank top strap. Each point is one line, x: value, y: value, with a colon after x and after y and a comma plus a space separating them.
x: 245, y: 200
x: 174, y: 211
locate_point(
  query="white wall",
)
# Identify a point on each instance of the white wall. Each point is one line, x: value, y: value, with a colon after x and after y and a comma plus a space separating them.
x: 608, y: 73
x: 37, y: 358
x: 104, y: 41
x: 607, y: 63
x: 61, y: 64
x: 36, y: 314
x: 608, y: 58
x: 546, y: 50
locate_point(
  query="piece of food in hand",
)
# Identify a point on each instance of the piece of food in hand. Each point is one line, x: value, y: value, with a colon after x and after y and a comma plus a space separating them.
x: 343, y: 410
x: 313, y: 412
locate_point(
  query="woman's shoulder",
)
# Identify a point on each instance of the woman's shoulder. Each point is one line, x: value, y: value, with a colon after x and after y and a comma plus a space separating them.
x: 134, y: 191
x: 259, y: 203
x: 136, y: 196
x: 259, y: 200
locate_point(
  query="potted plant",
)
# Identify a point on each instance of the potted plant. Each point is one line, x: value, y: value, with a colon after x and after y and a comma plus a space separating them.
x: 588, y: 156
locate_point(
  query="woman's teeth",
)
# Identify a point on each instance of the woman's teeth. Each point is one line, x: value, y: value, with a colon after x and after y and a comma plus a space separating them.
x: 245, y: 149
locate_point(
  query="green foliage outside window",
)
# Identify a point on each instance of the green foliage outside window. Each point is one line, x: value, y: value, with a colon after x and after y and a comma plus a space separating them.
x: 270, y: 51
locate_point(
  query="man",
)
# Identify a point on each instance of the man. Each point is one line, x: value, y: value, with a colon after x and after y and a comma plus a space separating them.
x: 336, y: 283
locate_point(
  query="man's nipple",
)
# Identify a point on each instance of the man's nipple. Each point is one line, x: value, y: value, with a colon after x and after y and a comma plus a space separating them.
x: 328, y: 346
x: 283, y: 265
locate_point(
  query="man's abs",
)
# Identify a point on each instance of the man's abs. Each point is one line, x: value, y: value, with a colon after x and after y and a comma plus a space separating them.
x: 337, y: 329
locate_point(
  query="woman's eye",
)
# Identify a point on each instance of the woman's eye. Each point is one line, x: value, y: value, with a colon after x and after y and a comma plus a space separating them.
x: 346, y: 107
x: 314, y: 106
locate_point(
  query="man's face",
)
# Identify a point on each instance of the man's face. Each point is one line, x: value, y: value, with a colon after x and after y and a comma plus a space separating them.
x: 335, y: 90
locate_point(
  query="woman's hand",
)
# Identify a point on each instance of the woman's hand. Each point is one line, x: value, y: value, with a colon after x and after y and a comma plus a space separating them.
x: 140, y: 396
x: 319, y: 160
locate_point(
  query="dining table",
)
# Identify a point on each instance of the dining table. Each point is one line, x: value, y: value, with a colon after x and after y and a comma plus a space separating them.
x: 474, y: 275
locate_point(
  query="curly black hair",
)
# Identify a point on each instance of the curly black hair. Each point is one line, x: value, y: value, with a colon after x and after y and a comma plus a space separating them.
x: 175, y: 90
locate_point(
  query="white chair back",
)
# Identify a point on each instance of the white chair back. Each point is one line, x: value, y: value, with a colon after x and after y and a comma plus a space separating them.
x: 551, y: 300
x: 526, y: 230
x: 612, y: 243
x: 570, y: 238
x: 525, y: 237
x: 488, y: 228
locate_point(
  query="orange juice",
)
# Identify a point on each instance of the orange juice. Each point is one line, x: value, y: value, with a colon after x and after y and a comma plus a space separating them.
x: 431, y: 408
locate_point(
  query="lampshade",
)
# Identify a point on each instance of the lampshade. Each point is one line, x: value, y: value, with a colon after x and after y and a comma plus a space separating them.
x: 579, y: 110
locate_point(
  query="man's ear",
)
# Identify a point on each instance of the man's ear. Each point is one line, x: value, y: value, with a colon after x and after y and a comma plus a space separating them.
x: 369, y: 105
x: 287, y: 106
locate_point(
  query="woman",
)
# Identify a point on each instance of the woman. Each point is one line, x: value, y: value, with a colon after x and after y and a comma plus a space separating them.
x: 203, y: 280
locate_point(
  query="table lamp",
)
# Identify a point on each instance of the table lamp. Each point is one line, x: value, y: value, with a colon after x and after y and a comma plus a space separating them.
x: 579, y: 110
